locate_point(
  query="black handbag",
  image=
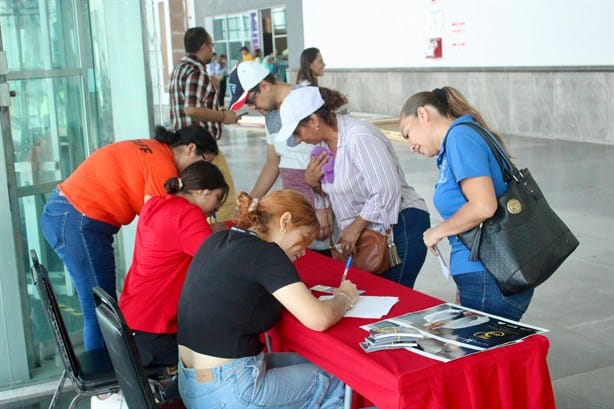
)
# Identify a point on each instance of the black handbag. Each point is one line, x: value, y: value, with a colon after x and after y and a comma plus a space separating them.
x: 525, y: 241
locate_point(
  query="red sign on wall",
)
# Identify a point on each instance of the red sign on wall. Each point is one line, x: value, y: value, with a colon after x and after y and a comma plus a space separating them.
x: 434, y: 48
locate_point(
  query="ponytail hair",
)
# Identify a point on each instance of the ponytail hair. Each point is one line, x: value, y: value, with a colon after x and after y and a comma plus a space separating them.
x: 198, y: 135
x: 199, y: 175
x: 449, y: 102
x: 261, y: 215
x: 333, y: 100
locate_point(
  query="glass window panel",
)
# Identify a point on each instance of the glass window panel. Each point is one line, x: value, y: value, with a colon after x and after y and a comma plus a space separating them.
x: 47, y: 128
x: 221, y: 48
x: 279, y: 21
x: 99, y: 91
x: 61, y: 111
x: 219, y: 31
x: 234, y: 28
x: 35, y: 43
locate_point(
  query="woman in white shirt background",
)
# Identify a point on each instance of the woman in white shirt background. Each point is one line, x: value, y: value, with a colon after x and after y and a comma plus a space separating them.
x: 312, y: 67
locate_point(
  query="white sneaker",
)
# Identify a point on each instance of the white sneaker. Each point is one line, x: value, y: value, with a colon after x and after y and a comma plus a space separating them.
x: 109, y: 401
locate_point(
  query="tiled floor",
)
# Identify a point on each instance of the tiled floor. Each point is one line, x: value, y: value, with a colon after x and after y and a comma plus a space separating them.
x: 576, y: 304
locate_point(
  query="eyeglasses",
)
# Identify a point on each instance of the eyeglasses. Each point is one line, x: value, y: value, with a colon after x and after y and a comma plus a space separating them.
x: 251, y: 97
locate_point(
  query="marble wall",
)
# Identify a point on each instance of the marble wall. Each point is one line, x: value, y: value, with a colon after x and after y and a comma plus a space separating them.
x: 565, y: 104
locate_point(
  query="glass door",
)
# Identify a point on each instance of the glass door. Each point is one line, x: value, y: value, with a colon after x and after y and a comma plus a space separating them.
x: 47, y: 130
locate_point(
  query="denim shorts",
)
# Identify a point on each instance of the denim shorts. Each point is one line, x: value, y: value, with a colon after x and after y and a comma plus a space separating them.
x: 275, y: 380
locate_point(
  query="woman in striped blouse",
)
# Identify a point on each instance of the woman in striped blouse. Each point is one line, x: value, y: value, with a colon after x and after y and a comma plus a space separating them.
x: 367, y: 187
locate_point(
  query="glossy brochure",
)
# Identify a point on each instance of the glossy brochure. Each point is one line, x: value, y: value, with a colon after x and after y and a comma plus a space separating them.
x: 451, y: 331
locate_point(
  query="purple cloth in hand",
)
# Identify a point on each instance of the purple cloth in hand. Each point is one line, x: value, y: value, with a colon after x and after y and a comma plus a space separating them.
x: 329, y: 166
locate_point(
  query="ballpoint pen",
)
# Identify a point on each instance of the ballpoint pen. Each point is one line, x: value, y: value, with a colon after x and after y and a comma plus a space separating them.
x: 348, y: 263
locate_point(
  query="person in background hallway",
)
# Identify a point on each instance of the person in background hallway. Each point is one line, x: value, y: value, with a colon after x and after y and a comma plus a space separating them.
x: 312, y: 67
x: 269, y: 63
x: 211, y: 64
x: 170, y: 230
x: 221, y: 73
x: 246, y: 55
x: 258, y: 55
x: 236, y: 287
x: 255, y: 86
x: 104, y: 193
x: 469, y: 183
x: 194, y: 100
x: 366, y: 186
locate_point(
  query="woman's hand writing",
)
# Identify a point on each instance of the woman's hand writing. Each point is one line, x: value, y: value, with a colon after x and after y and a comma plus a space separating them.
x: 349, y: 289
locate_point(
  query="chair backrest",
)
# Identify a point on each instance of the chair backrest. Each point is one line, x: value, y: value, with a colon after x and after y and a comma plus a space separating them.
x: 40, y: 278
x: 123, y: 352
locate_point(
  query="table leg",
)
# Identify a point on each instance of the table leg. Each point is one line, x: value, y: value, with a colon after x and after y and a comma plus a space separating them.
x: 267, y: 340
x: 347, y: 400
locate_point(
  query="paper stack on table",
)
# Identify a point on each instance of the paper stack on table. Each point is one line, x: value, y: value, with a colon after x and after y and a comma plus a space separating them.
x: 369, y: 306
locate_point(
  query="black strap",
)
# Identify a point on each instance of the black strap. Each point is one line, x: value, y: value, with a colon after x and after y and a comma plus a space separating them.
x: 507, y: 166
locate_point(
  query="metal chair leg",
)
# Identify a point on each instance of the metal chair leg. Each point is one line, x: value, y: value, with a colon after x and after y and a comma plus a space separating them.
x: 58, y: 390
x: 75, y: 400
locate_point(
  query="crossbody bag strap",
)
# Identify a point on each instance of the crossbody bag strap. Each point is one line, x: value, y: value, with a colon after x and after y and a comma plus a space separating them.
x: 507, y: 166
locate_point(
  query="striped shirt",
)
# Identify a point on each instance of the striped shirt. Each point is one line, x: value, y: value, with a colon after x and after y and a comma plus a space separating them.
x: 191, y: 87
x: 368, y: 179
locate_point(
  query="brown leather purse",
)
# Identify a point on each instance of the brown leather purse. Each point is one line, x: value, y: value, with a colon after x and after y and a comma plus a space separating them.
x: 371, y: 254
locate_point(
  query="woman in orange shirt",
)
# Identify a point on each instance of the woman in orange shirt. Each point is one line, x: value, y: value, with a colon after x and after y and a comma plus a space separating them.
x: 105, y: 192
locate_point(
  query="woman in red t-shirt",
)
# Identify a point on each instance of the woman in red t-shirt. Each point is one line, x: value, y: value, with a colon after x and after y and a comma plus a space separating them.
x: 170, y: 230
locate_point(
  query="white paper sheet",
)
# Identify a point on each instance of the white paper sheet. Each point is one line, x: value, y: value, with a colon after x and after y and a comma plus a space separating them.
x: 369, y: 306
x: 442, y: 264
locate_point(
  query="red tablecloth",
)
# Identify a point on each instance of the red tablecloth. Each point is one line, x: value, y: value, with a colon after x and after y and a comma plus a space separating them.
x: 514, y: 376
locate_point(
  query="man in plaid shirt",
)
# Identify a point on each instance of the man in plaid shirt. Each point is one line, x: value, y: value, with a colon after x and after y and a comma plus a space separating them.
x: 193, y: 92
x: 194, y: 101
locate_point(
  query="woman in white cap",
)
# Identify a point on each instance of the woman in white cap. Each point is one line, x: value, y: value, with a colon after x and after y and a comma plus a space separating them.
x: 364, y: 181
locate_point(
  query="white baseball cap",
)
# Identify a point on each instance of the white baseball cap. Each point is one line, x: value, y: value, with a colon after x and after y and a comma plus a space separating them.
x: 298, y: 105
x: 243, y: 79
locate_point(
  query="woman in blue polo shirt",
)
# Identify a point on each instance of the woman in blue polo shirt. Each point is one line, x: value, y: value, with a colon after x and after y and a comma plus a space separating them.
x: 469, y: 183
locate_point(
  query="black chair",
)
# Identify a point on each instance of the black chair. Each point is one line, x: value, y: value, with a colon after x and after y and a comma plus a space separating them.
x: 139, y: 391
x: 91, y: 372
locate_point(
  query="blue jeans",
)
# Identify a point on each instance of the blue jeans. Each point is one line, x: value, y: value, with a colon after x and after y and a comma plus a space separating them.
x: 272, y: 380
x: 85, y: 246
x: 410, y: 245
x: 480, y: 291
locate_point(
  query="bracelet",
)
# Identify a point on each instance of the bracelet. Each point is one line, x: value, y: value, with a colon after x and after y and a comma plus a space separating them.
x: 223, y: 116
x: 350, y: 306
